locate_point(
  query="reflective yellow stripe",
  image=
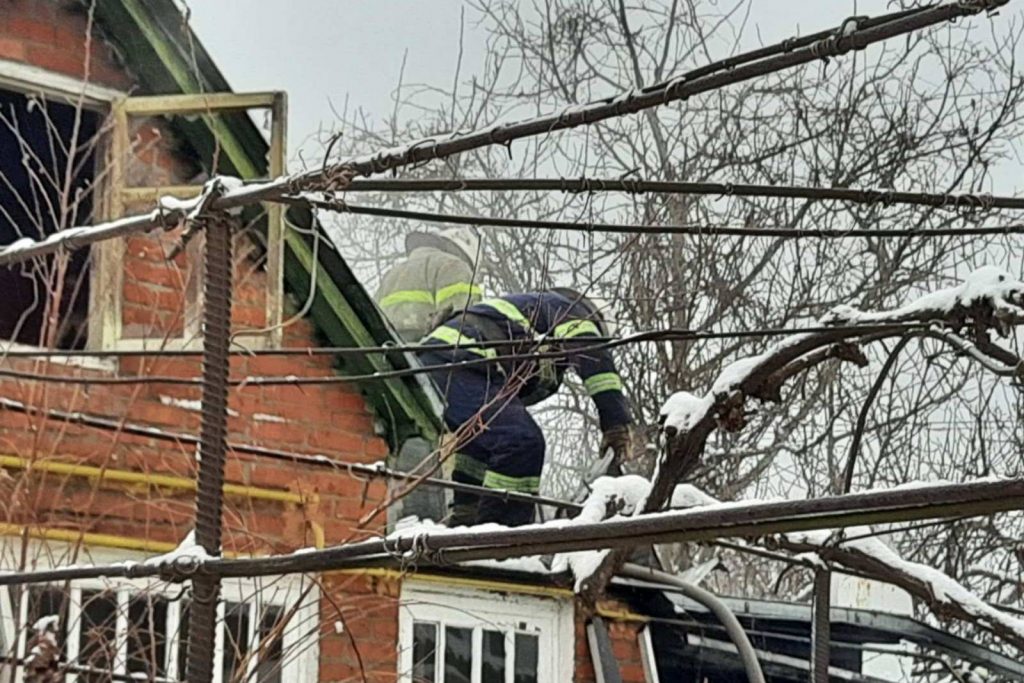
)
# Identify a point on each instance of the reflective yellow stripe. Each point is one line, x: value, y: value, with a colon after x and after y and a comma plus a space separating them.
x: 574, y: 328
x: 493, y: 480
x: 510, y: 311
x: 471, y: 466
x: 452, y: 336
x: 605, y: 381
x: 464, y: 288
x: 408, y: 296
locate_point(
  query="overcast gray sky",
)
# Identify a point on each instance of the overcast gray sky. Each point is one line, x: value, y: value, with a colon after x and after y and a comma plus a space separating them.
x: 324, y: 51
x: 329, y: 54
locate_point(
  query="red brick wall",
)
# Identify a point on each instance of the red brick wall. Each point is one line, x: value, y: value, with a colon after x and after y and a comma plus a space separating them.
x: 367, y: 647
x: 56, y: 35
x: 332, y: 420
x: 625, y: 646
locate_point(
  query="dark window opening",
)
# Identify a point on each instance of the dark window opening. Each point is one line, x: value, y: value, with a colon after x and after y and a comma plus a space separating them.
x: 458, y: 654
x: 183, y: 638
x: 236, y: 639
x: 492, y: 662
x: 424, y: 652
x: 147, y: 636
x: 527, y: 650
x: 97, y: 641
x: 47, y: 174
x: 271, y: 636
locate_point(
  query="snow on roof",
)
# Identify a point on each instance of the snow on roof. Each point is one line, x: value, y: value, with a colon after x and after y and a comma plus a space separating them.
x: 624, y: 495
x: 413, y: 526
x: 942, y: 587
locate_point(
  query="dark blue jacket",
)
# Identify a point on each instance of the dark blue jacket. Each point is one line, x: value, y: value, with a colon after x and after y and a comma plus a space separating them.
x: 537, y: 321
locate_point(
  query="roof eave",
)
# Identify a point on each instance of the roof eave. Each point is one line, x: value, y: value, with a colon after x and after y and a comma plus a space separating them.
x: 166, y: 57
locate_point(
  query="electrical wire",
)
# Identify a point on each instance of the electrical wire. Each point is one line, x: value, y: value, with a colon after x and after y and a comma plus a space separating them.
x: 964, y: 201
x: 313, y: 460
x: 463, y: 545
x: 855, y: 33
x: 668, y: 334
x: 695, y: 230
x: 841, y: 331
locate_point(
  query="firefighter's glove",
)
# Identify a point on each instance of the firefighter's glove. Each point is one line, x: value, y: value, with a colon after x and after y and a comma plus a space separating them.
x: 619, y: 441
x: 629, y: 448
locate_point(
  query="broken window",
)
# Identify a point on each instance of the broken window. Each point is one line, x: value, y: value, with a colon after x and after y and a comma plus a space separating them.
x: 251, y: 650
x: 163, y: 147
x: 47, y: 174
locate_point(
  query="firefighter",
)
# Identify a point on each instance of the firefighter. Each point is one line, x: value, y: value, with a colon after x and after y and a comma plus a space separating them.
x: 504, y: 448
x: 437, y: 276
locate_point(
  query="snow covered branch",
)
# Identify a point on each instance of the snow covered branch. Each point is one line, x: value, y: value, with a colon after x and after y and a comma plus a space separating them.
x: 944, y: 596
x: 989, y: 298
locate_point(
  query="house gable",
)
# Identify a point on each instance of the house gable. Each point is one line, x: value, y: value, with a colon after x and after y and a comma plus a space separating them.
x: 156, y: 45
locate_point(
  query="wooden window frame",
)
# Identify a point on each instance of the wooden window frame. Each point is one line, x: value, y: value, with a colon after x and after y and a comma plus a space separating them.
x: 106, y: 266
x: 107, y: 286
x: 29, y: 79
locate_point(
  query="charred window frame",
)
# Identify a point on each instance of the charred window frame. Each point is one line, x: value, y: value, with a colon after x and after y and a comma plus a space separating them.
x: 51, y: 131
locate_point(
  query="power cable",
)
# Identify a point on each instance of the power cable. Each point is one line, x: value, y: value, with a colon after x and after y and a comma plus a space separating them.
x: 694, y: 230
x: 463, y: 545
x: 954, y: 201
x: 291, y: 380
x: 853, y: 34
x: 319, y: 461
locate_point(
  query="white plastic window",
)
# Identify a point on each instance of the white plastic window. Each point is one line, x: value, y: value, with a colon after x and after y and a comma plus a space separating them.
x: 458, y: 636
x: 139, y: 629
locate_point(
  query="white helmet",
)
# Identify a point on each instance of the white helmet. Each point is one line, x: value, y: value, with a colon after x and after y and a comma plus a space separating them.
x: 466, y: 239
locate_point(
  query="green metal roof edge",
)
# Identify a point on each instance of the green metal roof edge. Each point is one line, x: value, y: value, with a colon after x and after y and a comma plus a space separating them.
x: 158, y: 47
x: 346, y: 316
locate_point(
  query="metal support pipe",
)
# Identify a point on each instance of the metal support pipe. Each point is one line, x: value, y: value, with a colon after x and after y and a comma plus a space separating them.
x: 717, y: 607
x: 821, y: 630
x: 212, y: 443
x: 606, y: 666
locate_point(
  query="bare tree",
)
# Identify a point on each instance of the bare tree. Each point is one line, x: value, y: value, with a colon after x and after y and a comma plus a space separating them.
x: 939, y: 111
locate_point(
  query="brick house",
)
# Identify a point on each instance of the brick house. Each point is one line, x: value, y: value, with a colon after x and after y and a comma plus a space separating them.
x: 84, y: 96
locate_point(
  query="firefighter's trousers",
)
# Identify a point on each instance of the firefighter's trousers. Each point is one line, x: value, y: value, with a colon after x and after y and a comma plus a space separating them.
x: 500, y: 445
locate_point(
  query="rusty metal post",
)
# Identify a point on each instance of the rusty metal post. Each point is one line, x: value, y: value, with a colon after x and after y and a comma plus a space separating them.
x: 212, y: 444
x: 821, y: 628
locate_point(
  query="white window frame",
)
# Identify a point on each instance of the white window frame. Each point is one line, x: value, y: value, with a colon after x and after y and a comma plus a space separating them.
x: 29, y: 79
x: 300, y: 640
x: 551, y: 619
x: 32, y: 80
